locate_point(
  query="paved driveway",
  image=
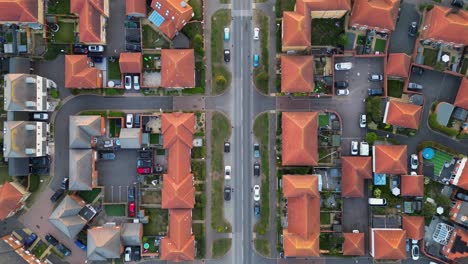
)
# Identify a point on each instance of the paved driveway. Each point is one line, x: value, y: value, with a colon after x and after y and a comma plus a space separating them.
x: 117, y: 175
x: 54, y: 70
x: 399, y: 40
x: 115, y: 28
x: 437, y: 85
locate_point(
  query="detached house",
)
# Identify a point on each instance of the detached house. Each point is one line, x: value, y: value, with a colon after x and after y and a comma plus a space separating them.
x: 300, y: 138
x: 380, y: 15
x: 402, y: 114
x: 170, y: 16
x: 26, y: 12
x: 177, y: 68
x: 93, y: 16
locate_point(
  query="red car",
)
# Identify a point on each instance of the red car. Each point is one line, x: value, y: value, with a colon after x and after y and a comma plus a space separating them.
x: 131, y: 209
x: 144, y: 170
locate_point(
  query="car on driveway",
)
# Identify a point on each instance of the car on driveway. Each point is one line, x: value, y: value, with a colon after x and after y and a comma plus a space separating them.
x: 131, y: 209
x: 80, y: 49
x: 51, y: 239
x: 145, y: 154
x: 354, y: 148
x: 256, y: 169
x: 133, y: 47
x: 457, y: 3
x: 374, y: 91
x: 227, y: 55
x: 341, y: 84
x: 144, y: 170
x: 131, y: 194
x: 375, y: 77
x: 96, y: 48
x: 256, y: 35
x: 343, y: 66
x: 362, y: 121
x: 413, y: 29
x: 256, y: 208
x: 415, y: 252
x: 128, y: 254
x: 226, y: 33
x: 256, y: 60
x: 414, y: 161
x: 227, y: 193
x: 57, y: 195
x: 342, y: 91
x: 29, y: 240
x: 81, y: 245
x: 256, y: 189
x: 129, y: 120
x: 414, y: 86
x: 63, y: 249
x: 136, y: 82
x: 64, y: 184
x: 128, y: 82
x: 144, y: 163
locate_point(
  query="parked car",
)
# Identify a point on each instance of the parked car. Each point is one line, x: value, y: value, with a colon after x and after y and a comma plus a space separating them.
x: 256, y: 208
x: 226, y: 33
x: 413, y: 29
x: 362, y: 121
x: 256, y: 35
x: 256, y: 151
x: 363, y: 148
x: 256, y: 189
x: 256, y: 169
x: 80, y: 50
x: 375, y: 77
x: 136, y: 82
x: 145, y: 154
x: 131, y: 209
x: 414, y: 161
x: 29, y: 240
x: 64, y: 184
x: 227, y: 193
x: 256, y: 60
x: 144, y: 163
x: 107, y: 155
x: 136, y: 255
x: 343, y: 66
x: 418, y: 70
x: 377, y: 201
x: 131, y: 194
x: 133, y: 47
x: 414, y: 86
x: 227, y: 147
x: 415, y: 252
x: 136, y: 120
x: 227, y: 172
x: 374, y: 91
x: 96, y: 48
x: 342, y: 91
x: 51, y: 239
x: 144, y: 170
x: 354, y: 148
x: 341, y: 84
x: 57, y: 195
x: 81, y: 245
x: 97, y: 59
x: 128, y: 254
x: 227, y: 55
x: 128, y: 82
x: 133, y: 38
x: 41, y: 116
x: 457, y: 3
x: 129, y: 120
x: 63, y: 249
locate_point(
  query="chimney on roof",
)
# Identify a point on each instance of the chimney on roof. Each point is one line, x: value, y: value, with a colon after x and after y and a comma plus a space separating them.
x: 183, y: 4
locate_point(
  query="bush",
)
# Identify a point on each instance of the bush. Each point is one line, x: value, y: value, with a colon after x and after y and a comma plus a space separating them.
x: 371, y: 137
x: 373, y: 108
x: 54, y: 93
x: 198, y: 45
x: 438, y: 127
x: 220, y: 80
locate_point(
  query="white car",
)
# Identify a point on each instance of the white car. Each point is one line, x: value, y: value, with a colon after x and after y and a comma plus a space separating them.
x: 41, y: 116
x: 415, y: 252
x: 128, y: 254
x: 129, y: 120
x: 354, y: 148
x: 342, y: 91
x: 227, y: 172
x: 136, y: 82
x: 256, y: 192
x: 256, y: 33
x: 362, y: 121
x: 96, y: 48
x: 414, y: 161
x: 128, y: 82
x: 343, y: 66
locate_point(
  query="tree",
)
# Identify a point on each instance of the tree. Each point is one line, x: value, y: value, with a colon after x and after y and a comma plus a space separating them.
x: 371, y: 137
x: 220, y: 80
x: 198, y: 45
x: 377, y: 193
x: 342, y: 40
x: 428, y: 210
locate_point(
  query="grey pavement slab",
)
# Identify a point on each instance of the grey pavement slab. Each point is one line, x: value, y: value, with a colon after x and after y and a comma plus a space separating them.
x: 400, y: 41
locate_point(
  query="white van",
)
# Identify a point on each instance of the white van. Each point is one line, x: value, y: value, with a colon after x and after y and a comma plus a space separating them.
x: 364, y: 148
x: 377, y: 201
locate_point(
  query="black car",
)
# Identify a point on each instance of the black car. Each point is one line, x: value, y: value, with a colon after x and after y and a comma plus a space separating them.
x: 457, y: 3
x: 63, y: 249
x: 134, y: 39
x: 374, y: 91
x: 133, y: 47
x: 136, y: 254
x: 64, y: 184
x: 97, y: 59
x: 341, y: 84
x: 131, y: 194
x: 57, y: 195
x: 145, y: 154
x: 413, y: 28
x: 257, y: 208
x: 256, y: 169
x: 227, y: 55
x: 80, y: 50
x: 51, y: 239
x: 227, y: 147
x: 29, y: 240
x: 227, y: 193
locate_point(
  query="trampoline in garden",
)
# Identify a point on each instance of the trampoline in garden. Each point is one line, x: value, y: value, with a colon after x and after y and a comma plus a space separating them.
x: 428, y: 153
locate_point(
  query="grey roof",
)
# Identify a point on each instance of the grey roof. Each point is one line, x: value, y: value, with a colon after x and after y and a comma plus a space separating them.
x: 104, y: 243
x: 131, y: 234
x: 19, y: 65
x: 18, y: 166
x: 444, y: 111
x: 462, y: 214
x: 460, y: 114
x: 82, y: 129
x: 66, y: 219
x: 18, y: 92
x: 22, y: 135
x: 80, y: 169
x: 130, y: 138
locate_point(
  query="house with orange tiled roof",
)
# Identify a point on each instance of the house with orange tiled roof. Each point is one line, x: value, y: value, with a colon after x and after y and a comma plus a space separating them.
x: 414, y: 226
x: 412, y: 185
x: 387, y: 243
x: 93, y: 16
x: 135, y: 8
x: 29, y: 12
x: 170, y: 16
x: 390, y: 159
x: 297, y: 74
x: 299, y: 138
x: 327, y: 8
x: 179, y: 244
x: 462, y: 96
x: 353, y: 244
x: 354, y: 170
x: 296, y: 31
x: 380, y: 15
x: 401, y: 114
x: 12, y: 198
x: 460, y: 174
x: 81, y: 73
x: 398, y: 65
x: 301, y: 237
x: 457, y: 247
x: 131, y: 62
x: 445, y: 25
x: 177, y: 68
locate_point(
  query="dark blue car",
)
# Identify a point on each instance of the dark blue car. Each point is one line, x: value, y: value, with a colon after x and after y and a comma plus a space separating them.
x: 30, y: 240
x: 80, y: 245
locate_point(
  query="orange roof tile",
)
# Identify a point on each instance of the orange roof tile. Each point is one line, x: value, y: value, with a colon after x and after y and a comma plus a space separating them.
x: 414, y: 226
x: 79, y: 74
x: 178, y: 194
x: 391, y: 159
x: 442, y: 24
x: 412, y: 185
x: 381, y: 14
x: 389, y: 243
x: 398, y: 65
x: 179, y: 245
x: 90, y: 13
x: 178, y: 161
x: 354, y: 170
x: 22, y: 11
x: 297, y: 74
x: 177, y: 126
x: 353, y: 244
x: 319, y: 5
x: 297, y: 246
x: 295, y: 185
x: 177, y: 68
x: 458, y: 236
x: 300, y: 138
x: 176, y: 13
x: 296, y: 30
x: 10, y: 199
x: 130, y: 62
x: 462, y: 96
x: 135, y: 7
x: 403, y: 114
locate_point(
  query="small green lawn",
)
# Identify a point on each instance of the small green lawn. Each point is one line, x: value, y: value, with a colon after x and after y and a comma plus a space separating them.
x: 153, y: 39
x: 113, y: 69
x: 324, y: 218
x: 328, y: 32
x: 4, y: 177
x: 430, y: 57
x: 199, y: 170
x: 361, y: 40
x: 65, y: 34
x: 89, y: 196
x: 59, y: 7
x: 34, y: 182
x: 39, y: 249
x: 283, y: 5
x: 23, y: 38
x: 9, y: 37
x: 158, y: 221
x: 262, y: 246
x: 380, y: 45
x: 395, y: 88
x: 154, y: 138
x: 53, y: 50
x: 193, y: 29
x: 221, y: 247
x: 115, y: 209
x: 324, y: 120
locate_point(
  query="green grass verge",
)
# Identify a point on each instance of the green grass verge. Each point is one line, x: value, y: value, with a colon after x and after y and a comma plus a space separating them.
x: 101, y: 113
x: 199, y: 232
x: 261, y: 131
x: 221, y: 247
x: 66, y: 33
x: 89, y: 196
x: 261, y: 73
x: 395, y: 88
x: 114, y: 91
x: 158, y: 221
x: 380, y: 45
x: 221, y: 77
x: 262, y: 246
x: 116, y: 114
x: 115, y: 209
x: 113, y: 70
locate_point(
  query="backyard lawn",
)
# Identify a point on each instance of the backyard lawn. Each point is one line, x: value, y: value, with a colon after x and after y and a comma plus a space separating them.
x: 53, y: 50
x: 395, y: 88
x: 113, y: 69
x: 65, y: 34
x: 89, y: 196
x: 154, y: 138
x: 430, y: 57
x: 439, y: 160
x: 327, y: 32
x: 115, y: 209
x: 152, y: 39
x: 157, y: 221
x: 380, y: 45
